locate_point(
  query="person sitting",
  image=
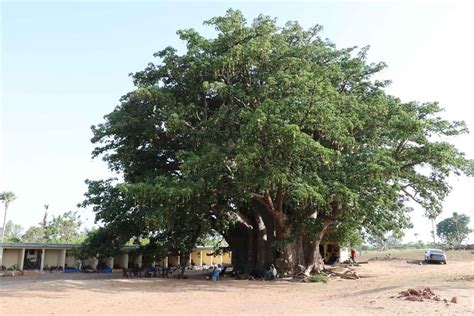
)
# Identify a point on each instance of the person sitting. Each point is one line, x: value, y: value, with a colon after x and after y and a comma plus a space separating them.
x: 149, y: 270
x: 210, y: 272
x: 271, y: 274
x: 125, y: 272
x: 223, y: 270
x: 163, y: 271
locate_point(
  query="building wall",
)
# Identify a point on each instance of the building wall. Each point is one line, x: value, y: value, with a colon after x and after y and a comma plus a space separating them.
x: 196, y: 257
x: 109, y: 262
x: 227, y: 258
x: 217, y: 259
x: 173, y: 260
x: 161, y: 262
x: 121, y: 261
x: 332, y: 249
x: 52, y: 258
x: 11, y: 257
x: 206, y: 260
x: 344, y: 254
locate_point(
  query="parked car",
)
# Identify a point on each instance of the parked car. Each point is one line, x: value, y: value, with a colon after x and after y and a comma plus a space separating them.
x: 435, y: 255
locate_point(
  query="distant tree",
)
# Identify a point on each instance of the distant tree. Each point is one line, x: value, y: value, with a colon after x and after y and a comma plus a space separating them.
x: 433, y: 228
x: 383, y: 242
x: 378, y: 241
x: 393, y: 241
x: 64, y: 228
x: 454, y: 230
x: 6, y: 198
x: 13, y: 232
x: 34, y: 234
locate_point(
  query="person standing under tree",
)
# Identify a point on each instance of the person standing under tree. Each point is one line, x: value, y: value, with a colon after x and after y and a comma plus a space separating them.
x: 353, y: 255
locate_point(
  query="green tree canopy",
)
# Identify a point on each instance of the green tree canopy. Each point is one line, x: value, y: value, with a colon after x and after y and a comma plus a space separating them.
x: 13, y: 232
x: 454, y: 230
x: 34, y: 234
x: 64, y: 228
x: 273, y: 137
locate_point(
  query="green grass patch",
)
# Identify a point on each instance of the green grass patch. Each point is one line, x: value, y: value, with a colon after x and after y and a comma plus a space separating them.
x: 318, y: 278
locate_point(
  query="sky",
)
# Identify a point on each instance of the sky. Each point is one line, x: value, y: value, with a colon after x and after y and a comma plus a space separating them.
x: 64, y: 65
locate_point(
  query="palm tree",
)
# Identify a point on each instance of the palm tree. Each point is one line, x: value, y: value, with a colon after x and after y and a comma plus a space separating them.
x: 44, y: 222
x: 6, y: 198
x: 456, y: 219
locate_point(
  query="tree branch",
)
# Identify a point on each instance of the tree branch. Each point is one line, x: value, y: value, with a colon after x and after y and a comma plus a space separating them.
x: 243, y: 219
x: 268, y: 200
x: 400, y: 147
x: 412, y: 196
x: 279, y: 199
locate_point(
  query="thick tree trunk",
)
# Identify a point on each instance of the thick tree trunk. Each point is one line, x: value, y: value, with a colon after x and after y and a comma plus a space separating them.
x: 251, y: 241
x: 240, y: 240
x: 260, y: 233
x: 270, y: 250
x: 313, y: 257
x: 183, y: 259
x: 266, y: 238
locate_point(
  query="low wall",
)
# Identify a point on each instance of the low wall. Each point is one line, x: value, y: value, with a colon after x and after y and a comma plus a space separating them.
x: 11, y: 257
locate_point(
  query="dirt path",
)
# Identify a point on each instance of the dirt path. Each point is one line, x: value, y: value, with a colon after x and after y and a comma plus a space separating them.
x: 372, y: 294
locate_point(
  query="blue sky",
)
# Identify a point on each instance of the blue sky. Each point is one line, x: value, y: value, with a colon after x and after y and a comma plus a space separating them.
x: 65, y: 65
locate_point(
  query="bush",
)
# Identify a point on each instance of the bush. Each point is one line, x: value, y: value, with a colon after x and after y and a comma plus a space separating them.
x: 318, y: 278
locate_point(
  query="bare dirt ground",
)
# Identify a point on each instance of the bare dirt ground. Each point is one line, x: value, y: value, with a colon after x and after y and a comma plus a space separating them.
x: 375, y: 293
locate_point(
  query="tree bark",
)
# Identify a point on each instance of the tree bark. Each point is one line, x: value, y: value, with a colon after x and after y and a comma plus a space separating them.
x: 260, y: 233
x: 183, y: 259
x: 252, y: 240
x: 240, y: 238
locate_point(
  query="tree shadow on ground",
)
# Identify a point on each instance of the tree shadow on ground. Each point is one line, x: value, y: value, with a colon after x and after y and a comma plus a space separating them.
x: 115, y: 283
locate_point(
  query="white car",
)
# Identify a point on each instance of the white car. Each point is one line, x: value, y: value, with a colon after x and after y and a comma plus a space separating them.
x: 435, y: 255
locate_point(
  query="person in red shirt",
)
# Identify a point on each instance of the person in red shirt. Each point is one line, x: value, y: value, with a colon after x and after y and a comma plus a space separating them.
x: 353, y: 255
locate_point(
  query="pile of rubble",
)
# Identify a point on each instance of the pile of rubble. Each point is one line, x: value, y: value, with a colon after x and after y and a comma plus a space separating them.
x: 419, y: 295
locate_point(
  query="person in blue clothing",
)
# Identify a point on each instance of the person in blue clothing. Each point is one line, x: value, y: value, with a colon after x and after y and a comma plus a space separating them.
x: 216, y: 273
x: 271, y: 274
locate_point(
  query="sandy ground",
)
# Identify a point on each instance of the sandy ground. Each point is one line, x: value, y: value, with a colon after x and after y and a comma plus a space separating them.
x: 375, y: 293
